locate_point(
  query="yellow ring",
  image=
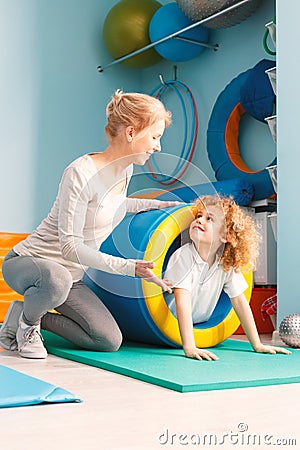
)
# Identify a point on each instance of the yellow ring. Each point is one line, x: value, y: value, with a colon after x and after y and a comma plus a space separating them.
x: 156, y: 250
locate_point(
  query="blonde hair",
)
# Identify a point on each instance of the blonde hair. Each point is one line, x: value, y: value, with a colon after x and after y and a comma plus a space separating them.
x: 241, y: 249
x: 134, y: 109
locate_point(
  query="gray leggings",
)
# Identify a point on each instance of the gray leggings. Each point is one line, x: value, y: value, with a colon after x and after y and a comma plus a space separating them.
x: 45, y: 285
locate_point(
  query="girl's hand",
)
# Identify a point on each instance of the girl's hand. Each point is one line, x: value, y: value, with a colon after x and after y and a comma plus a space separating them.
x: 143, y: 270
x: 200, y: 354
x: 169, y: 204
x: 270, y: 349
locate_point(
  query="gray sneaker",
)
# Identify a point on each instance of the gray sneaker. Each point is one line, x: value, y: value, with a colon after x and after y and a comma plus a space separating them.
x: 30, y: 342
x: 10, y: 325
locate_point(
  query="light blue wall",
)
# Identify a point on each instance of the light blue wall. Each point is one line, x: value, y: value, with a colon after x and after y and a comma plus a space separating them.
x: 18, y: 114
x: 240, y: 48
x: 288, y: 102
x: 53, y: 100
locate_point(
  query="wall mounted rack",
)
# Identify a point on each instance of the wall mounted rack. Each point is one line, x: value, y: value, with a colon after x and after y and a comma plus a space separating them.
x: 177, y: 36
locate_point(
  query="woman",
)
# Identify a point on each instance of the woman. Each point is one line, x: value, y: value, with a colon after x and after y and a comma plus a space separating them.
x: 47, y: 267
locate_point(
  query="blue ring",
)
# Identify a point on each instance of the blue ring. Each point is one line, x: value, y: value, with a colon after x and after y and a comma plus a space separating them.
x: 216, y: 148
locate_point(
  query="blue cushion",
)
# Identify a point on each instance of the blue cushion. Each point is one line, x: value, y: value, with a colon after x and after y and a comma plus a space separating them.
x: 256, y: 95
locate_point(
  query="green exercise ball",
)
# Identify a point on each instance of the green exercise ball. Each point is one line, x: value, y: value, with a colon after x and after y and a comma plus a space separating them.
x: 126, y: 30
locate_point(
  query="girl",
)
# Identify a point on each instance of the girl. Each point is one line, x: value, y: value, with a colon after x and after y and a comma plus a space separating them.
x: 224, y: 241
x: 47, y: 267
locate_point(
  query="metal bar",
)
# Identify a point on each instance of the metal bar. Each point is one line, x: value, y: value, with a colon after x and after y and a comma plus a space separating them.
x: 193, y: 41
x: 172, y: 35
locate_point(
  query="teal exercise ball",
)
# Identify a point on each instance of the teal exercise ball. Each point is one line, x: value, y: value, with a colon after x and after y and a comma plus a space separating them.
x: 126, y: 28
x: 169, y: 19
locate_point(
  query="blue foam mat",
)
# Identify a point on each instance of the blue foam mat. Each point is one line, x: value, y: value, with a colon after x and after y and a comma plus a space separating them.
x: 18, y: 389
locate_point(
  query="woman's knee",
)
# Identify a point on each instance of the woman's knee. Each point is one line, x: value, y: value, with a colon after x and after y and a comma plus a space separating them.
x: 57, y: 281
x: 109, y: 343
x: 115, y: 342
x: 37, y: 276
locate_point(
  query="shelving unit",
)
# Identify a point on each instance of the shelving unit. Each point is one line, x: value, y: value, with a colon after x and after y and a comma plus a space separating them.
x: 177, y: 36
x: 272, y: 121
x: 268, y: 270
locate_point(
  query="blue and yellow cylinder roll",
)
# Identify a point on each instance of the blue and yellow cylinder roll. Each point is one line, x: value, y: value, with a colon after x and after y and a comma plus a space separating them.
x: 140, y: 307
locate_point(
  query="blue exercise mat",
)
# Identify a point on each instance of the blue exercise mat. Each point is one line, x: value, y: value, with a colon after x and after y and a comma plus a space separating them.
x: 239, y: 366
x: 18, y: 389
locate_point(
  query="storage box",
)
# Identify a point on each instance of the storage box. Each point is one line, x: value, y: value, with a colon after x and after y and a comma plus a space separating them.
x: 273, y: 220
x: 266, y: 271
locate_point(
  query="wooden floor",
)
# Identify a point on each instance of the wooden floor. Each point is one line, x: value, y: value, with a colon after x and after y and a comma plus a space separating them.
x: 121, y: 413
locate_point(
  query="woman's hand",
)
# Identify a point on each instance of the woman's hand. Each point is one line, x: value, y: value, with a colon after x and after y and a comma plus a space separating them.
x: 143, y: 270
x: 200, y: 354
x: 270, y: 349
x: 169, y: 204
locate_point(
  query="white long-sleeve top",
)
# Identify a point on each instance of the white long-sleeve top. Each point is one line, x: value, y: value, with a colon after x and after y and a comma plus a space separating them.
x: 85, y: 212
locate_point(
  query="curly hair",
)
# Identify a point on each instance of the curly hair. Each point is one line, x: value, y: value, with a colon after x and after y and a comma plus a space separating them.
x: 241, y: 249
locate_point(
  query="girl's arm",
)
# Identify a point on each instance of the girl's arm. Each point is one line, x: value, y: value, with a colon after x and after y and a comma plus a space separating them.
x: 184, y: 315
x: 244, y: 313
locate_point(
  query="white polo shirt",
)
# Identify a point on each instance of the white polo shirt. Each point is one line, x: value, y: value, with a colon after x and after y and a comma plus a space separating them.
x: 187, y: 270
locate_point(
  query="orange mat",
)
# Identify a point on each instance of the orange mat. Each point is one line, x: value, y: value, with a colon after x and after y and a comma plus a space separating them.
x: 7, y: 295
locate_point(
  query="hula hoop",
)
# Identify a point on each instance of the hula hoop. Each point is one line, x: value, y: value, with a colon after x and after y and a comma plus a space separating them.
x: 189, y: 143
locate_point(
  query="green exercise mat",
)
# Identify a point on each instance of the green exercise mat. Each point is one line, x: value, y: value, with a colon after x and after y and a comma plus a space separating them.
x: 239, y: 366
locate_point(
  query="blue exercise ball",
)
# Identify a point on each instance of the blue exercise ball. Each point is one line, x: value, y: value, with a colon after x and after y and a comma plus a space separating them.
x: 167, y: 20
